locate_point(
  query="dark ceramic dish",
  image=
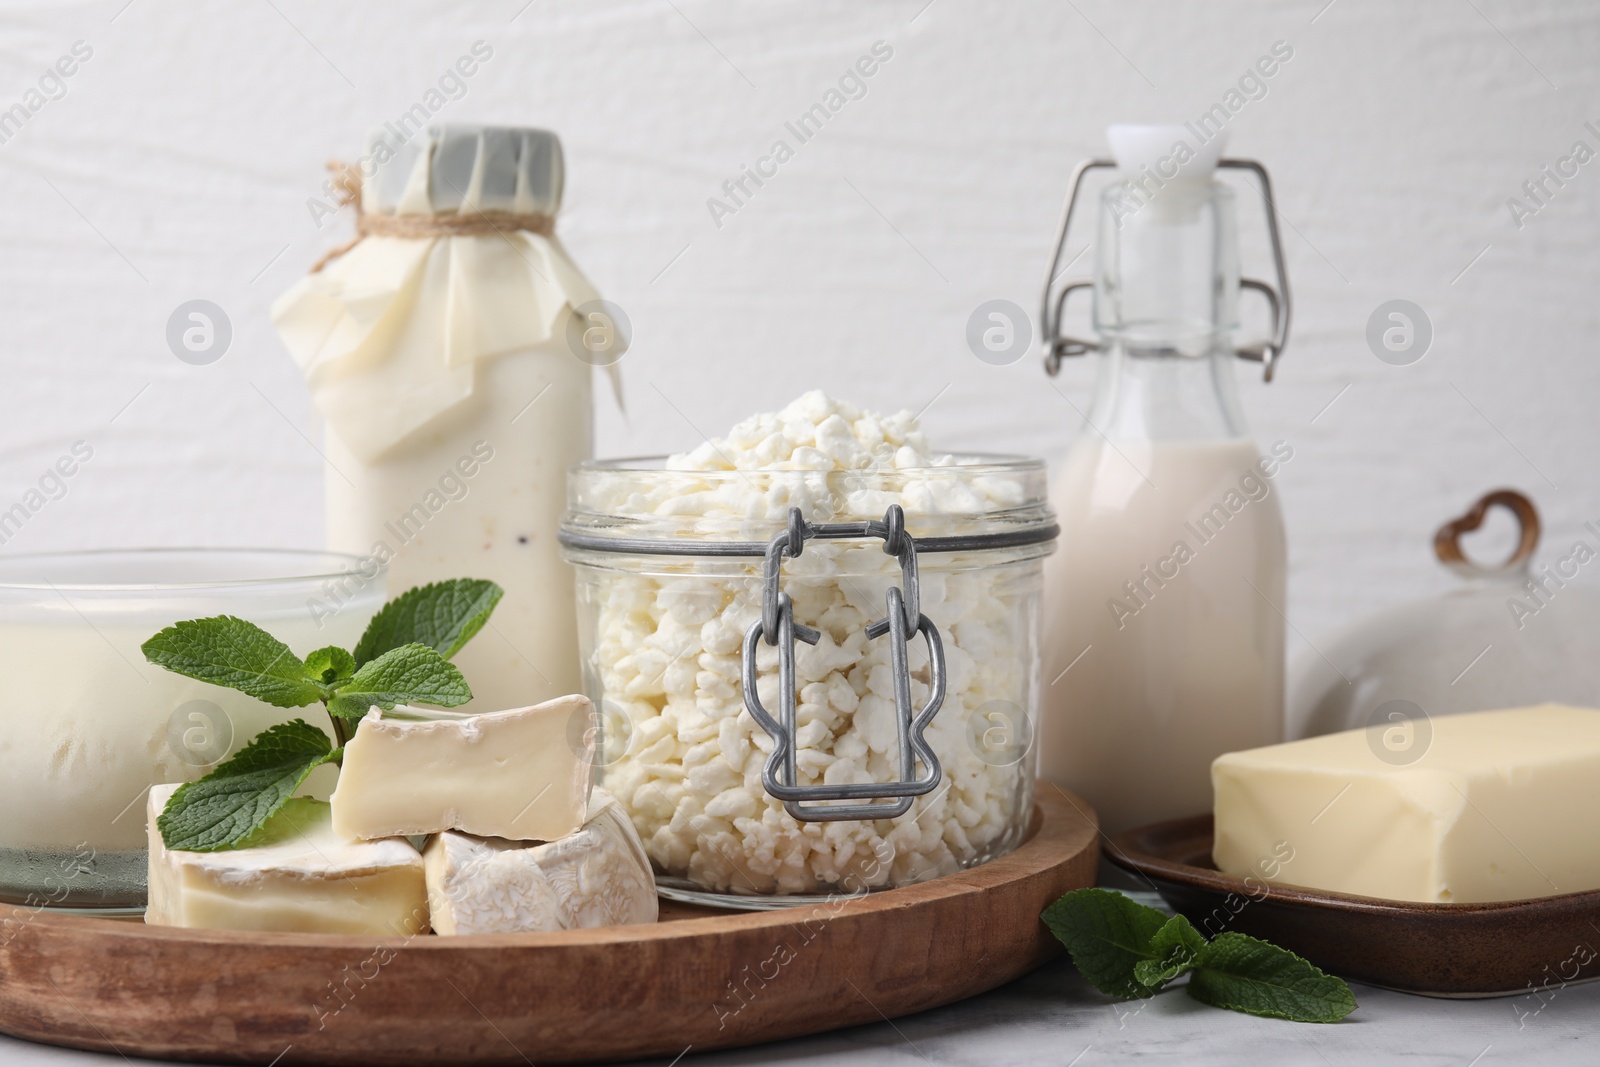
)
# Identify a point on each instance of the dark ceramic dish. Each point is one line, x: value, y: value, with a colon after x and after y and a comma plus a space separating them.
x: 1529, y: 947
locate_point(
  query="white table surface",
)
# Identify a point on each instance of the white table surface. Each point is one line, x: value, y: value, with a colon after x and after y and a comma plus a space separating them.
x: 1054, y: 1017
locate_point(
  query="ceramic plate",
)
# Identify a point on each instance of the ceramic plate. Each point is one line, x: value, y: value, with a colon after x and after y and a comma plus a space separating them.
x: 1448, y: 950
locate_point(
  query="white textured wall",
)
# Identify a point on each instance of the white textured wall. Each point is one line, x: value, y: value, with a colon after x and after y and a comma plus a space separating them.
x: 179, y: 161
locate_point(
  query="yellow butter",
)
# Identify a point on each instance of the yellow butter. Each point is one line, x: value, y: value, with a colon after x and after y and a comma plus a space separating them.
x: 1493, y: 805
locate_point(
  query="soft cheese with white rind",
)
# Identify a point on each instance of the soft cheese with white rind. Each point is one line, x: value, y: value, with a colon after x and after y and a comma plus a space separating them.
x: 522, y: 774
x: 301, y: 876
x: 1494, y: 805
x: 599, y: 876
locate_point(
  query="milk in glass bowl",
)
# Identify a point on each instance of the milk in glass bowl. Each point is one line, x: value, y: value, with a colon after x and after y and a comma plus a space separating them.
x: 89, y: 725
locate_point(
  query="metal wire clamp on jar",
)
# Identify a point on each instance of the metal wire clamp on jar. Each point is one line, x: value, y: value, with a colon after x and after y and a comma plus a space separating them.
x: 990, y: 557
x: 904, y: 616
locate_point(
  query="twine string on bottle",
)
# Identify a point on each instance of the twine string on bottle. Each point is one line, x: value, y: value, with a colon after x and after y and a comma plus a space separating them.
x: 475, y: 222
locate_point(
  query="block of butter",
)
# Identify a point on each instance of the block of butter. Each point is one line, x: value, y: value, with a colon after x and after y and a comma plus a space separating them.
x: 1490, y: 805
x: 297, y: 875
x: 522, y: 774
x: 599, y: 876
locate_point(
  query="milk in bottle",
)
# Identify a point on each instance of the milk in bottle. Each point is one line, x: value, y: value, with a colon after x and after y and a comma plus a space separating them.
x: 450, y: 352
x: 1165, y: 632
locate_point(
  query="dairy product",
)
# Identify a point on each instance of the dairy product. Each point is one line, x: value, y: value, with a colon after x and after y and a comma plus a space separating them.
x: 454, y: 394
x: 683, y: 756
x: 1165, y: 632
x: 297, y: 875
x: 1493, y: 805
x: 95, y: 736
x: 479, y: 494
x: 95, y: 724
x: 1165, y: 646
x: 599, y: 876
x: 522, y: 774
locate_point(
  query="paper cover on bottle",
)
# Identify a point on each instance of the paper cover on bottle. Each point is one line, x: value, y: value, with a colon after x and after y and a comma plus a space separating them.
x: 389, y: 335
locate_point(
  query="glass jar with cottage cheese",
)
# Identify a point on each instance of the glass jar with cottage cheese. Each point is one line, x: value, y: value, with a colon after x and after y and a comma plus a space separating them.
x: 883, y: 600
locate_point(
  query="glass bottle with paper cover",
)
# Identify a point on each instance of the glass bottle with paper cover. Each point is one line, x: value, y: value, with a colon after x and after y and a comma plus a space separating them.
x: 1165, y: 633
x: 450, y: 352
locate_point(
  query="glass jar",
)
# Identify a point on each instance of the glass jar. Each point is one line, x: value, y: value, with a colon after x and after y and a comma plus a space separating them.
x: 683, y: 575
x: 91, y: 725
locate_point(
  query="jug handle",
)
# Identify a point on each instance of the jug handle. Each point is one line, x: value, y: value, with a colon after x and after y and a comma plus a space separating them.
x: 1447, y: 540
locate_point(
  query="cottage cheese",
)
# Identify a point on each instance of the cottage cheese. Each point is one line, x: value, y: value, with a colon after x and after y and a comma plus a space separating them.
x: 666, y: 652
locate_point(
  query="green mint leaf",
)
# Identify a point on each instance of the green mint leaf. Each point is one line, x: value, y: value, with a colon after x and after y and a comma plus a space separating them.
x: 292, y: 820
x: 330, y: 666
x: 410, y: 674
x: 1107, y: 934
x: 1258, y: 978
x: 1177, y: 946
x: 240, y: 655
x: 444, y: 616
x: 223, y: 809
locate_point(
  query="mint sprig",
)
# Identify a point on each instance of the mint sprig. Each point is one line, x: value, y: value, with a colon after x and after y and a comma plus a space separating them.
x: 444, y: 616
x: 1108, y: 935
x: 1178, y: 947
x: 1126, y: 949
x: 410, y: 674
x: 402, y: 658
x: 227, y: 805
x: 1252, y: 976
x: 239, y: 655
x: 327, y: 667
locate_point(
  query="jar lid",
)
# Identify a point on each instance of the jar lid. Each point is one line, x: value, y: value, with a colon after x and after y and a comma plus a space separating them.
x: 969, y: 503
x: 438, y: 168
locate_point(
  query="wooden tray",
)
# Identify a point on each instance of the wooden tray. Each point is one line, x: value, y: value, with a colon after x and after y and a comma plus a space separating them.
x: 1442, y: 950
x: 699, y: 979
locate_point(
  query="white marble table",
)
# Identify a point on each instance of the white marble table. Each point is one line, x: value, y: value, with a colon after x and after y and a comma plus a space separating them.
x: 1054, y: 1017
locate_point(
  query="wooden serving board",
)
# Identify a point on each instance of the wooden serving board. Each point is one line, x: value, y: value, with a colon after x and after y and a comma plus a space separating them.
x: 699, y: 979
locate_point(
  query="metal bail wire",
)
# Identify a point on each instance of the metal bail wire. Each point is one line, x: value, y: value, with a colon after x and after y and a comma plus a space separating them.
x: 903, y: 618
x: 1053, y: 305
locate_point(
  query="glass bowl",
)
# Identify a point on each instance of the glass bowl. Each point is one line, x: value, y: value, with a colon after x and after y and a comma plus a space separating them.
x: 91, y: 726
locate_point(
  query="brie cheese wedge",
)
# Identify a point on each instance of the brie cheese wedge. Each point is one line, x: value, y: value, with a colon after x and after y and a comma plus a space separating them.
x: 522, y: 774
x: 599, y: 876
x: 297, y: 875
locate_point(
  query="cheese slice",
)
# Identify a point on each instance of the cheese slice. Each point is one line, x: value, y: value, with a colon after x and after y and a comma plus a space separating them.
x: 599, y: 876
x: 522, y: 774
x: 298, y: 875
x: 1494, y: 805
